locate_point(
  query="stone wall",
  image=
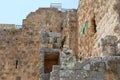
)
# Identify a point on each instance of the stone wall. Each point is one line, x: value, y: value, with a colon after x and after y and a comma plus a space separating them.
x: 7, y: 26
x: 20, y: 48
x: 52, y: 20
x: 103, y: 20
x: 95, y: 68
x: 17, y: 54
x: 48, y: 31
x: 48, y: 26
x: 69, y: 32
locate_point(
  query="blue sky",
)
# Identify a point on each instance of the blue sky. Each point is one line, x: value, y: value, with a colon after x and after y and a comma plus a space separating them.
x: 14, y: 11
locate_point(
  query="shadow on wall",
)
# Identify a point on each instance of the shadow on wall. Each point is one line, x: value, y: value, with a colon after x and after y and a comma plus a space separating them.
x: 116, y: 7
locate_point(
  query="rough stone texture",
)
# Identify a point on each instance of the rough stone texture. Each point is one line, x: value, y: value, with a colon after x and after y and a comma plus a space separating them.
x: 42, y: 74
x: 95, y: 68
x: 20, y: 49
x: 7, y: 26
x: 55, y: 74
x: 52, y: 38
x: 47, y: 31
x: 67, y: 59
x: 51, y: 20
x: 70, y: 31
x: 108, y: 46
x: 17, y: 56
x: 103, y: 19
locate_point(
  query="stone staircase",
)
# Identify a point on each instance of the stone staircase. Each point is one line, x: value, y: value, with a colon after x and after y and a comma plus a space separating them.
x: 95, y: 68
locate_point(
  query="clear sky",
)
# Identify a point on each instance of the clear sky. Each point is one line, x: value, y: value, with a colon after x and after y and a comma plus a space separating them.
x: 14, y: 11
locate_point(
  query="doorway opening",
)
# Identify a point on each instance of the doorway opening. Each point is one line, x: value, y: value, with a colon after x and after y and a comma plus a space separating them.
x: 50, y: 59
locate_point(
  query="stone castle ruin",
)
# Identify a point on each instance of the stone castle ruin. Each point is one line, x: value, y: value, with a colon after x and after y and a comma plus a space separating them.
x: 82, y: 44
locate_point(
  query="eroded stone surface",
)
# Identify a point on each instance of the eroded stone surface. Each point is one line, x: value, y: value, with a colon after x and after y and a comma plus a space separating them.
x: 108, y: 46
x: 67, y: 59
x: 103, y: 20
x: 96, y: 68
x: 20, y: 48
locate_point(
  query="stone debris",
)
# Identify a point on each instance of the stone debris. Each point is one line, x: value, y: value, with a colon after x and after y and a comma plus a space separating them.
x: 96, y: 68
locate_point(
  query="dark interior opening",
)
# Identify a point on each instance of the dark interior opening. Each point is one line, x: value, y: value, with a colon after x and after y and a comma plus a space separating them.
x: 4, y: 29
x: 50, y: 59
x: 63, y: 42
x: 94, y: 23
x: 8, y: 42
x: 55, y: 40
x: 61, y: 28
x: 18, y: 78
x: 16, y: 66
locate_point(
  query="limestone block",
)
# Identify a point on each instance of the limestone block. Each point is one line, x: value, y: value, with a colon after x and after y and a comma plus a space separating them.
x: 108, y: 46
x: 118, y: 48
x: 55, y: 74
x: 67, y: 60
x: 86, y: 67
x: 67, y: 74
x: 43, y: 36
x: 77, y: 65
x: 97, y: 75
x: 81, y: 74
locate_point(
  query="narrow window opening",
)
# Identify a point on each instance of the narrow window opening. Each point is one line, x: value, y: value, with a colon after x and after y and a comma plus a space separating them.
x: 16, y: 64
x: 63, y: 42
x: 61, y: 28
x: 95, y: 26
x: 8, y: 42
x: 4, y: 29
x: 18, y: 78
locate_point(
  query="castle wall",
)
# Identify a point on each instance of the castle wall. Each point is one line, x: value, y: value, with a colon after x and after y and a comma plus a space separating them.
x: 95, y: 68
x: 7, y: 26
x: 20, y: 48
x: 48, y: 29
x: 69, y: 31
x: 103, y: 19
x: 13, y: 63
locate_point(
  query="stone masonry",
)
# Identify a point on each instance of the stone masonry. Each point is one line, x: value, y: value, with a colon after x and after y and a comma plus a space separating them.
x: 103, y: 20
x: 49, y: 46
x: 20, y: 49
x: 95, y: 68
